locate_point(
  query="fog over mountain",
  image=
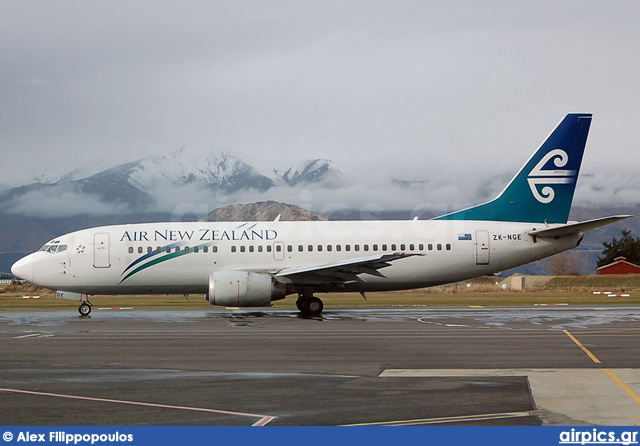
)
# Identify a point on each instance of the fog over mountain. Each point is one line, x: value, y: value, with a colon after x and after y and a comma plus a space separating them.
x: 198, y: 181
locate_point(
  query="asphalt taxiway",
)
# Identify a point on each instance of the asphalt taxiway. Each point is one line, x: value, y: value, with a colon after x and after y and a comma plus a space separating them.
x: 417, y: 365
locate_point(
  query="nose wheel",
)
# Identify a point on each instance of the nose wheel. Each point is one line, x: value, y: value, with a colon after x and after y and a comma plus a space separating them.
x: 84, y: 309
x: 309, y: 305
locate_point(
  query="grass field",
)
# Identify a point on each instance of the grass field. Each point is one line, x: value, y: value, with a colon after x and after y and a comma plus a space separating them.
x: 576, y: 290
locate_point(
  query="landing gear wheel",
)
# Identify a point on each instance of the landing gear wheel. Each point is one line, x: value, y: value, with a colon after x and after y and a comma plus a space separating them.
x: 309, y: 305
x: 84, y: 309
x: 300, y: 303
x: 314, y: 306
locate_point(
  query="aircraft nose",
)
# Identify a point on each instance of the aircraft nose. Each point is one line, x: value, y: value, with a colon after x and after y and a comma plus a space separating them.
x: 23, y: 269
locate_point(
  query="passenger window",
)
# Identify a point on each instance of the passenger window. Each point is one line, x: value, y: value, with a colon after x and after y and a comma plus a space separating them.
x: 130, y: 249
x: 233, y: 248
x: 384, y: 247
x: 243, y: 248
x: 158, y: 249
x: 300, y: 248
x: 375, y: 247
x: 168, y: 249
x: 439, y: 247
x: 356, y: 248
x: 187, y: 249
x: 289, y: 248
x: 205, y: 249
x: 214, y: 249
x: 139, y: 249
x: 329, y: 247
x: 347, y: 247
x: 403, y: 247
x: 278, y: 248
x: 421, y: 247
x: 319, y: 248
x: 177, y: 249
x: 149, y: 249
x: 338, y: 247
x: 196, y: 249
x: 260, y: 248
x: 412, y: 247
x: 394, y: 247
x: 366, y: 247
x: 251, y: 248
x: 448, y: 247
x: 268, y: 248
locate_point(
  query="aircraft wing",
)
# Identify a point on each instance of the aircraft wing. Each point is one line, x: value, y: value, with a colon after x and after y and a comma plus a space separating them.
x: 573, y: 228
x: 345, y: 271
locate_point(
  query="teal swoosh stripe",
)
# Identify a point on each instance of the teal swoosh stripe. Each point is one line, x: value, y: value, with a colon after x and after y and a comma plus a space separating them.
x: 169, y: 256
x: 153, y: 262
x: 152, y: 254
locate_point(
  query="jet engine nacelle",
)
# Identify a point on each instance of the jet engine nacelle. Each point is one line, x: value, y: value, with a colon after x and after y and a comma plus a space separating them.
x: 243, y: 289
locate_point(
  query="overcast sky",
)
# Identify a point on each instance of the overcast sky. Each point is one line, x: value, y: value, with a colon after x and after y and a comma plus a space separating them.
x: 413, y: 87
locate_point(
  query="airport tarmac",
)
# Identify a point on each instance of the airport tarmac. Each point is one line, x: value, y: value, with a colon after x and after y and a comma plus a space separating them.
x: 400, y: 366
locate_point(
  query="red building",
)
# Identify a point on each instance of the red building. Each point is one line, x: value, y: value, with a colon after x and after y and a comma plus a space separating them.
x: 619, y: 266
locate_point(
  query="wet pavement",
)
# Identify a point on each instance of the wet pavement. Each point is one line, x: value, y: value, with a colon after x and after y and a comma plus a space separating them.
x: 272, y: 366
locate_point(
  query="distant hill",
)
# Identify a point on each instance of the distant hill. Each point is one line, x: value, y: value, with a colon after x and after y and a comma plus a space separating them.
x: 263, y: 211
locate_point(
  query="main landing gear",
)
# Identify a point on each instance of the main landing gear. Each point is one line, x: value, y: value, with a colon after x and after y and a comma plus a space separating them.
x: 309, y: 305
x: 84, y: 309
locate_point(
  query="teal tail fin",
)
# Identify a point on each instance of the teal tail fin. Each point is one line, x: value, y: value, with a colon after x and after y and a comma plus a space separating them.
x: 543, y: 189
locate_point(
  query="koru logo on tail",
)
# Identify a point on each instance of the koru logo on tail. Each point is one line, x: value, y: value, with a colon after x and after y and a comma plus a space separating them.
x: 538, y: 176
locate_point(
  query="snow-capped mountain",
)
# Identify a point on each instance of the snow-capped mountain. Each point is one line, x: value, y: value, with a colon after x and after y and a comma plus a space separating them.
x: 311, y: 171
x: 163, y: 181
x: 221, y: 170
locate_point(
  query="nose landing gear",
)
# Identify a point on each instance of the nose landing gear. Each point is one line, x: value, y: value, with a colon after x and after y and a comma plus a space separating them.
x: 84, y: 309
x: 309, y: 305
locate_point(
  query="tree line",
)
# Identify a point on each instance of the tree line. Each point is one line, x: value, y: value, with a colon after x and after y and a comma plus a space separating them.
x: 627, y: 246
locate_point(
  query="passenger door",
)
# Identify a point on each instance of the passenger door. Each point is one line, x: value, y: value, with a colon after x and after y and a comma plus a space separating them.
x: 101, y: 255
x: 482, y: 247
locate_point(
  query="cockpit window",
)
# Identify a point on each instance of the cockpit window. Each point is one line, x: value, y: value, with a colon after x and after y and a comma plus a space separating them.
x: 53, y: 248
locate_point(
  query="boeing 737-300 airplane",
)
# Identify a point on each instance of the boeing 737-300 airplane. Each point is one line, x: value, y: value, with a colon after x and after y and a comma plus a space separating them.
x: 255, y: 263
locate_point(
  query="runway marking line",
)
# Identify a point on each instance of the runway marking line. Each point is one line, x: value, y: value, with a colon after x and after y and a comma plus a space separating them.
x: 34, y: 335
x: 442, y: 420
x: 582, y: 347
x: 623, y: 385
x: 263, y: 419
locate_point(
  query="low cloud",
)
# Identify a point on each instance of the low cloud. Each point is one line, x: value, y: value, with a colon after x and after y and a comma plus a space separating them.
x: 608, y: 189
x: 61, y: 201
x: 364, y: 194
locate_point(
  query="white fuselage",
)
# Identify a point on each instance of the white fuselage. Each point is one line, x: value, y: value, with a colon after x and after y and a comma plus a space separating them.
x: 132, y: 259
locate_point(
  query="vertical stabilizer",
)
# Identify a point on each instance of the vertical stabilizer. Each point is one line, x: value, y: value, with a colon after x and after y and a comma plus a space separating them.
x: 542, y: 191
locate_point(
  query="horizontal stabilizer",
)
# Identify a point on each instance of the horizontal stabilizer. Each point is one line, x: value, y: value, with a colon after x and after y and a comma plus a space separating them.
x: 574, y: 228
